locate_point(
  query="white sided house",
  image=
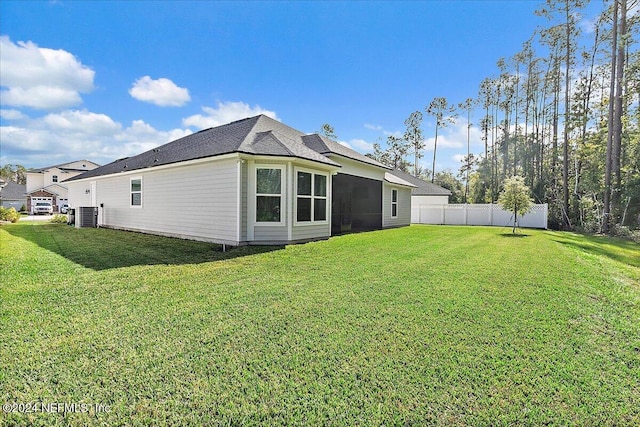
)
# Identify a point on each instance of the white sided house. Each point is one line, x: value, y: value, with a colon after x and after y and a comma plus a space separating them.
x: 253, y: 181
x: 46, y: 184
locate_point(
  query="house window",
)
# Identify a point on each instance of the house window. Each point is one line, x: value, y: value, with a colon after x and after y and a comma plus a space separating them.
x: 394, y: 203
x: 55, y: 178
x: 136, y: 192
x: 268, y: 195
x: 311, y: 197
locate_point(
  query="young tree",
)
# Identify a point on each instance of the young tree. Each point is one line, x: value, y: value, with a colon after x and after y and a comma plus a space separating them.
x: 379, y: 155
x: 444, y: 113
x: 397, y: 148
x: 515, y: 198
x: 328, y: 131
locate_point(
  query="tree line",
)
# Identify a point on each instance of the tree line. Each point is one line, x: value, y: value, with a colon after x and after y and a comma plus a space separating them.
x: 563, y: 113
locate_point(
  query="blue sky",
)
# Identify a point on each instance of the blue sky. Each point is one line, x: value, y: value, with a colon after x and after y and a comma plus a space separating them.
x: 103, y: 80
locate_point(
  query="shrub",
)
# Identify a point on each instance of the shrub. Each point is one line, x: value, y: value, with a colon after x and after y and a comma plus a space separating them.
x: 59, y: 219
x: 23, y: 208
x: 10, y: 214
x: 625, y: 232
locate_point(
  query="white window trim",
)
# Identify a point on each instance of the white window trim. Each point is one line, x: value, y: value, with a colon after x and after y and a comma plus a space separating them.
x: 54, y: 178
x: 394, y: 203
x: 282, y: 194
x: 312, y: 197
x: 131, y: 205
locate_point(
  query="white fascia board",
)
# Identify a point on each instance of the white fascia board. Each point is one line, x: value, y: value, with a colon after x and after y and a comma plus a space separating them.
x: 294, y: 160
x: 333, y: 157
x: 161, y: 167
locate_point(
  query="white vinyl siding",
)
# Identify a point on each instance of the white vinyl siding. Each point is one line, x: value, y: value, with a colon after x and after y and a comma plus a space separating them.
x: 309, y: 232
x: 79, y: 194
x: 244, y: 170
x: 403, y: 210
x: 193, y: 201
x: 352, y: 167
x: 267, y: 233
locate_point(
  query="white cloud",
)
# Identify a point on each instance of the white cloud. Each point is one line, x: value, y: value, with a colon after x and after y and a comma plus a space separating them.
x: 162, y: 92
x: 455, y: 136
x: 10, y: 114
x: 81, y: 122
x: 77, y: 134
x: 361, y: 145
x: 458, y: 157
x: 358, y: 145
x: 225, y: 112
x: 41, y: 78
x: 385, y: 132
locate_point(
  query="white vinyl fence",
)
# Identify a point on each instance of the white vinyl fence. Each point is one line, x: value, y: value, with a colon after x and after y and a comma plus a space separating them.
x: 481, y: 214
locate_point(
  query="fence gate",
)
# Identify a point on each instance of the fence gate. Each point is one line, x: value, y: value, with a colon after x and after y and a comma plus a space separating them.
x: 480, y: 214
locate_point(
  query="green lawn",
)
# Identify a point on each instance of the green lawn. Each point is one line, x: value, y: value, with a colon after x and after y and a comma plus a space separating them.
x: 412, y: 326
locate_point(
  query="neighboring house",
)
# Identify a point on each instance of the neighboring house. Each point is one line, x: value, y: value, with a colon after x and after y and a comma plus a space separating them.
x: 45, y: 184
x: 424, y: 192
x: 12, y: 195
x: 253, y: 181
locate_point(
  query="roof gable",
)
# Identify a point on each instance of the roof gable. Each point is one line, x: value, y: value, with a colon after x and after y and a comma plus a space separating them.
x: 68, y: 167
x: 326, y: 146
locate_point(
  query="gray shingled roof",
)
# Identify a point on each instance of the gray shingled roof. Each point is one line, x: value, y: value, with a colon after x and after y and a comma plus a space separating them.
x: 423, y: 188
x: 258, y: 135
x: 13, y: 191
x: 326, y: 146
x: 41, y: 170
x: 391, y: 178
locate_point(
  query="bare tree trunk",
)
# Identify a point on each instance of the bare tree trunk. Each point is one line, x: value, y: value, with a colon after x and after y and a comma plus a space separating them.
x: 607, y: 173
x: 616, y: 148
x: 515, y: 139
x: 567, y: 111
x: 435, y: 146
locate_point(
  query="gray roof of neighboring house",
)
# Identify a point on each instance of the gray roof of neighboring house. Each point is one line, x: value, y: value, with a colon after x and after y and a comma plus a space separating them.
x: 61, y: 167
x: 423, y: 188
x: 13, y: 191
x: 259, y: 135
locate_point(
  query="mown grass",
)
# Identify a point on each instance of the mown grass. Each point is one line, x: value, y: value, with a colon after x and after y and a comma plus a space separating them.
x: 413, y: 326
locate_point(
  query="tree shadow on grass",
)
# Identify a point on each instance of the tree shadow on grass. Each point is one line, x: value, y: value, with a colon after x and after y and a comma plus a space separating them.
x: 514, y: 235
x: 623, y: 251
x: 103, y: 249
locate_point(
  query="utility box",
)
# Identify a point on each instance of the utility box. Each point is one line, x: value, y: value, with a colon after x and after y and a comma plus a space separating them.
x: 86, y: 216
x: 71, y: 216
